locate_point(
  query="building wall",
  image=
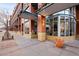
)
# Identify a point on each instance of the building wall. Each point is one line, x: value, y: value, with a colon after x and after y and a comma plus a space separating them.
x: 65, y: 38
x: 77, y: 21
x: 15, y: 17
x: 40, y: 27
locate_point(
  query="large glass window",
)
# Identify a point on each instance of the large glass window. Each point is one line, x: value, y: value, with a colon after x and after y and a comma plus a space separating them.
x: 62, y: 24
x: 55, y: 26
x: 62, y: 27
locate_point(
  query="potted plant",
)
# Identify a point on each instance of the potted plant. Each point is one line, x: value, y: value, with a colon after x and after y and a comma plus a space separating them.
x: 59, y: 43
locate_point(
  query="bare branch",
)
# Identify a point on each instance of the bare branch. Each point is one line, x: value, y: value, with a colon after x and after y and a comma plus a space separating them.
x: 3, y: 17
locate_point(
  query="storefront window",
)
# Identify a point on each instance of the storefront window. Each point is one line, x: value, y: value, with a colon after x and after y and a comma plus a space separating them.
x: 55, y: 26
x: 62, y: 27
x: 63, y: 23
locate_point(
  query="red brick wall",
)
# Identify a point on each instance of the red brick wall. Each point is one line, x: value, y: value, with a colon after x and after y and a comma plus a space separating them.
x: 32, y: 10
x: 41, y: 23
x: 77, y: 16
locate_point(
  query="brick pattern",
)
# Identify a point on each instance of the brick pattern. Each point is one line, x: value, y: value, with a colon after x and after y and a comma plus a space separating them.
x: 77, y: 16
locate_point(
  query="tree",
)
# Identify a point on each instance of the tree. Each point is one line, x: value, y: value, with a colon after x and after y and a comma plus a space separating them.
x: 4, y: 18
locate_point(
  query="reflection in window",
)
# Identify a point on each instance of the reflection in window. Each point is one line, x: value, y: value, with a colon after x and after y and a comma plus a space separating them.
x: 55, y: 26
x: 66, y: 26
x: 63, y: 24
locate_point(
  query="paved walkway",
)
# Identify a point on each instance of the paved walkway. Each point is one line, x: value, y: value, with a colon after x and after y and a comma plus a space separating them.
x: 32, y: 47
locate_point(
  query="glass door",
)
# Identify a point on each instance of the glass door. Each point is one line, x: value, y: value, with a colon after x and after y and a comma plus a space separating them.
x: 55, y: 26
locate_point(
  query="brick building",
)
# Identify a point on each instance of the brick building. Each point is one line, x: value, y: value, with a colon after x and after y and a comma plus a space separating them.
x: 46, y: 21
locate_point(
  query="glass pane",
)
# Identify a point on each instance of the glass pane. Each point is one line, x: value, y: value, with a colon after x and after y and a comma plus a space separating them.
x: 72, y: 24
x: 55, y: 26
x: 72, y: 28
x: 61, y: 12
x: 62, y: 26
x: 67, y: 25
x: 67, y: 28
x: 56, y: 19
x: 62, y: 18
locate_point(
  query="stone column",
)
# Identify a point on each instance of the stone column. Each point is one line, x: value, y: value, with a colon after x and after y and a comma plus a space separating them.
x: 20, y: 25
x: 41, y: 28
x: 31, y: 21
x: 22, y: 28
x: 18, y: 32
x: 31, y: 28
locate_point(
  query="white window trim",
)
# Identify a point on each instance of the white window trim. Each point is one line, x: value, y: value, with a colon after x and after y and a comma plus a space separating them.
x: 59, y: 28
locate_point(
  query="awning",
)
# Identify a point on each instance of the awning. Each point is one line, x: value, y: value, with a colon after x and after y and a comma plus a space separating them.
x: 28, y: 15
x: 55, y: 7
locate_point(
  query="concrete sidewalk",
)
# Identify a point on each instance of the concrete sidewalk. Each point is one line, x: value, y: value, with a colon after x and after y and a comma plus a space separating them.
x: 33, y: 47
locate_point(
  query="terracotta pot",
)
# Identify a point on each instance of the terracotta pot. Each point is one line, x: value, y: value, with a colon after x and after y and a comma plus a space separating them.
x: 59, y: 43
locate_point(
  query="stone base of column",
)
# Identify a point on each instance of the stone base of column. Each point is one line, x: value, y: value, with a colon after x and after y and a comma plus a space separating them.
x: 31, y: 34
x: 41, y: 36
x: 18, y: 33
x: 26, y: 35
x: 77, y: 36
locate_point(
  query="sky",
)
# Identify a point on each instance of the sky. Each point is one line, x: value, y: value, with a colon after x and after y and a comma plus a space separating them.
x: 7, y: 7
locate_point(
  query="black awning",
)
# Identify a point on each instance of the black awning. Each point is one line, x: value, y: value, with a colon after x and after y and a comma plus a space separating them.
x: 27, y: 15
